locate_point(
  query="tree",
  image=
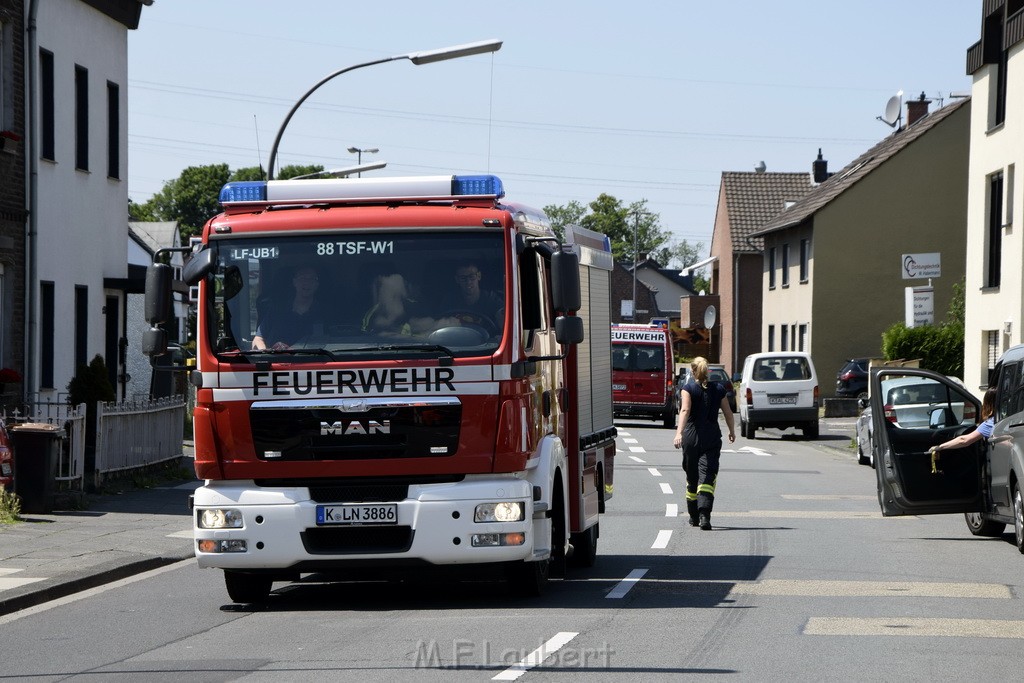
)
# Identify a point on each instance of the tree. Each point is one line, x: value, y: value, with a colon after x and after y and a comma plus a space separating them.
x: 192, y: 198
x: 624, y: 225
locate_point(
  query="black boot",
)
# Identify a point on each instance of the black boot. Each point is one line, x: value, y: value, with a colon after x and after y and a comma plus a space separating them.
x: 705, y: 522
x: 694, y: 521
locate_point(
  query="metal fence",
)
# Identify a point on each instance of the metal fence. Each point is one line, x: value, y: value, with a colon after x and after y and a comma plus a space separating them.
x: 138, y: 433
x: 71, y: 460
x: 129, y: 435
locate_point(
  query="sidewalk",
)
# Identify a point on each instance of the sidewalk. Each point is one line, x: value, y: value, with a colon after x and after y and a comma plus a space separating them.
x: 47, y: 556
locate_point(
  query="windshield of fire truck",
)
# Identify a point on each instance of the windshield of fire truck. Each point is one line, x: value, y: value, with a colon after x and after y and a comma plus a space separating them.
x: 357, y: 293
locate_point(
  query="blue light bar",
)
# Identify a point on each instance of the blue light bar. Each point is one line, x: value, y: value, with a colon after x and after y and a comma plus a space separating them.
x: 488, y: 185
x: 244, y: 191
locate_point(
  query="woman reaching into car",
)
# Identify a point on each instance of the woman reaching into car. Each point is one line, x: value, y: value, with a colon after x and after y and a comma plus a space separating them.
x: 983, y: 431
x: 700, y: 437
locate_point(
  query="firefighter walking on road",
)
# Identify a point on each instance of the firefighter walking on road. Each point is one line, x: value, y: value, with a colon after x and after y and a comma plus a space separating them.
x: 700, y: 437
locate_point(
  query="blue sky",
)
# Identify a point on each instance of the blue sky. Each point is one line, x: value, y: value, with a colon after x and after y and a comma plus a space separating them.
x: 643, y: 100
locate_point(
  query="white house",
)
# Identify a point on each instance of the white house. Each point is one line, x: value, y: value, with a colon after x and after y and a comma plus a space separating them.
x: 994, y: 296
x: 77, y: 56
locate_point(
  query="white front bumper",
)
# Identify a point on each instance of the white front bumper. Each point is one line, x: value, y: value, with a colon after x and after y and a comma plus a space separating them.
x: 439, y: 518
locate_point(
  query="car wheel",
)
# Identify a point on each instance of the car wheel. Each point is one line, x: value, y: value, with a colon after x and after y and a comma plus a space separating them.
x: 862, y: 459
x: 811, y: 431
x: 1018, y: 517
x: 751, y: 430
x: 979, y: 526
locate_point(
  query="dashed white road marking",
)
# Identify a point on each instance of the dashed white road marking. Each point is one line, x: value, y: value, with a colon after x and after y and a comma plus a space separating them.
x: 661, y: 542
x: 637, y: 449
x: 671, y: 509
x: 872, y: 589
x: 666, y: 488
x: 654, y: 471
x: 748, y: 449
x: 624, y: 586
x: 914, y: 627
x: 630, y: 441
x: 7, y: 583
x: 181, y: 534
x: 636, y: 459
x: 536, y: 657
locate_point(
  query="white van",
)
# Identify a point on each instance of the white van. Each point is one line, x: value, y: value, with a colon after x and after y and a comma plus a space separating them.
x: 778, y: 389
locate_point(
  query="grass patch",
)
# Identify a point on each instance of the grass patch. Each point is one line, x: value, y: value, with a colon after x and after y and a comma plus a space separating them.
x: 10, y: 507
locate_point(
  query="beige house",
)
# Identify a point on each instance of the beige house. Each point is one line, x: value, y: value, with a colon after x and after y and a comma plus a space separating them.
x: 837, y: 263
x: 995, y: 251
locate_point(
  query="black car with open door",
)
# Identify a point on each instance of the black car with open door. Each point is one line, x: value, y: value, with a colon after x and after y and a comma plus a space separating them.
x: 982, y: 480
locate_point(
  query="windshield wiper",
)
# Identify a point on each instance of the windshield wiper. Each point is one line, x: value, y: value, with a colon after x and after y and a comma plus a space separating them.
x: 311, y: 351
x: 427, y: 348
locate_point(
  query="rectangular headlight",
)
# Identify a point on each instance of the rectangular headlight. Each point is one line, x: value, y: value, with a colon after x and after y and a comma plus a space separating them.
x: 505, y: 511
x: 219, y: 518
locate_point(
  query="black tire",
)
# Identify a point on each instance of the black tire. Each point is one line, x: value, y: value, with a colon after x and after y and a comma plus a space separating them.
x: 812, y: 430
x: 751, y: 431
x: 862, y: 459
x: 528, y: 579
x: 584, y: 547
x: 244, y: 587
x: 979, y: 526
x: 1018, y: 517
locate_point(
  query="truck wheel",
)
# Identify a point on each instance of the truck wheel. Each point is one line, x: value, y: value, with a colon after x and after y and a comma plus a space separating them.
x: 1018, y: 517
x: 979, y: 526
x: 247, y: 588
x: 584, y: 547
x: 529, y: 579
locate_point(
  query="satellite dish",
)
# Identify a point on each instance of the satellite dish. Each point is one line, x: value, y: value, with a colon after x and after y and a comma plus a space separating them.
x: 710, y: 316
x: 761, y: 167
x: 893, y: 111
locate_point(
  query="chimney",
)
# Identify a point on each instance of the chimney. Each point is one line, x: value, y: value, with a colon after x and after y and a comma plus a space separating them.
x: 819, y: 168
x: 917, y: 109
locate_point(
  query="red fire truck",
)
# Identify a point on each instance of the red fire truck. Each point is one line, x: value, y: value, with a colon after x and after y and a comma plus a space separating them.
x: 394, y: 374
x: 643, y: 372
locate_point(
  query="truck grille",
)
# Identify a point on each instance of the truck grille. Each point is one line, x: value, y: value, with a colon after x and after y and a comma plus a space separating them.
x: 352, y: 540
x: 367, y: 430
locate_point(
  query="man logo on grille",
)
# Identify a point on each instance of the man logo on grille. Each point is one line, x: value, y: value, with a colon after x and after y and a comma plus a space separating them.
x: 363, y: 427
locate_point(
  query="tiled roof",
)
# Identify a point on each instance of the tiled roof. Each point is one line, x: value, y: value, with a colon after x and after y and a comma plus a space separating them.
x: 857, y: 169
x: 753, y: 199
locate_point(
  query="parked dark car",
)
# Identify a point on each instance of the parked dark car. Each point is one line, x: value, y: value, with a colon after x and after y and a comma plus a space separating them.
x: 716, y: 373
x: 852, y: 379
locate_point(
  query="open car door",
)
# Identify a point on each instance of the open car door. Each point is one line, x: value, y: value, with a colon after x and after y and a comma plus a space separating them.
x: 911, y: 411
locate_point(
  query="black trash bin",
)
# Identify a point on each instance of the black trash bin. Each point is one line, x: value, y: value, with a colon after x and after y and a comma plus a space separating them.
x: 36, y: 453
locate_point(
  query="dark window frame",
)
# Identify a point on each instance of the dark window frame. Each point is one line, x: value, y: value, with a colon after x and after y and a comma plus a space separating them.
x: 47, y: 331
x: 113, y: 130
x: 81, y: 326
x: 994, y: 241
x: 771, y: 267
x: 805, y: 261
x: 785, y: 266
x: 81, y: 118
x: 47, y: 107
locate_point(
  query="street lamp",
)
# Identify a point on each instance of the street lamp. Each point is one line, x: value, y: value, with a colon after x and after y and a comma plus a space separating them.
x: 417, y: 58
x: 359, y: 159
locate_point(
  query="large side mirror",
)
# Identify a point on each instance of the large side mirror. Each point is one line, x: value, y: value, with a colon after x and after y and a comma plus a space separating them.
x: 158, y: 293
x: 565, y: 282
x: 154, y: 342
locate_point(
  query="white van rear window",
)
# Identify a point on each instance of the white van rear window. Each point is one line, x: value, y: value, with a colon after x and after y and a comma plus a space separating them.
x: 781, y: 369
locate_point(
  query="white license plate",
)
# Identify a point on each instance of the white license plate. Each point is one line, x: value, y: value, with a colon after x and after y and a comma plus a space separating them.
x: 783, y: 400
x: 357, y: 513
x: 618, y: 387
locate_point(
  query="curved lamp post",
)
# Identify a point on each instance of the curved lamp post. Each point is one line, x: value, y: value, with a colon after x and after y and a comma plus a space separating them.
x: 417, y: 58
x: 359, y: 159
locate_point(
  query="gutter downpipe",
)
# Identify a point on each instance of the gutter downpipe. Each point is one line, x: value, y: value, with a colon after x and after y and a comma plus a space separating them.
x: 31, y: 230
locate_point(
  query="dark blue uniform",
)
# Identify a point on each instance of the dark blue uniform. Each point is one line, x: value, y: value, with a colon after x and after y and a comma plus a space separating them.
x: 702, y: 448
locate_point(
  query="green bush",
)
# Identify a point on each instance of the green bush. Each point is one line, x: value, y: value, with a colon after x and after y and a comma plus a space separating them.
x: 10, y: 507
x: 940, y: 348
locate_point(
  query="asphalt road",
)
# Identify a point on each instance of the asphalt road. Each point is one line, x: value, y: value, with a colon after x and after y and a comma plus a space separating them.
x: 801, y: 579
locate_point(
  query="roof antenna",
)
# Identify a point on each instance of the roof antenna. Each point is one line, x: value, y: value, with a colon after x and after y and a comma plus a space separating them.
x: 259, y: 154
x: 893, y: 111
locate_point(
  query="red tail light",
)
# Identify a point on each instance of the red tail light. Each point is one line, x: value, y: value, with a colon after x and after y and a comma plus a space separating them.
x: 750, y: 397
x: 889, y: 412
x: 848, y: 375
x: 969, y: 412
x: 815, y: 394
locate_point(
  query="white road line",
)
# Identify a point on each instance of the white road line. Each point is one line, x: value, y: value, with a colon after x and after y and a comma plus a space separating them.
x: 637, y: 449
x: 654, y: 471
x: 4, y: 571
x: 181, y: 534
x: 814, y: 514
x: 630, y: 441
x: 872, y: 589
x: 666, y: 488
x: 536, y: 657
x: 671, y: 509
x: 903, y: 626
x: 661, y: 542
x: 623, y: 432
x: 624, y: 586
x: 636, y: 459
x: 8, y: 584
x: 827, y: 496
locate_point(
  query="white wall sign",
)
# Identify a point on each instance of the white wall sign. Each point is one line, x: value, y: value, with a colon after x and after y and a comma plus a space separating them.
x: 920, y: 306
x: 626, y: 308
x: 917, y: 266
